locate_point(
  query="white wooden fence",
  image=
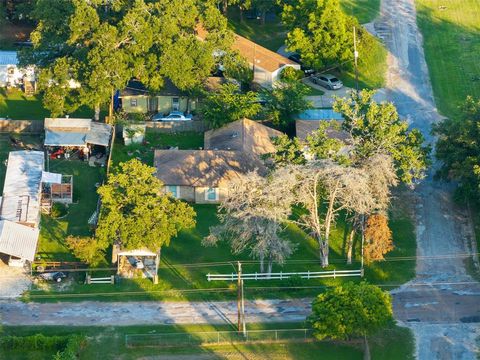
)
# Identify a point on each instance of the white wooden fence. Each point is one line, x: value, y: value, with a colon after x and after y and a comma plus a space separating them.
x: 286, y: 275
x: 100, y: 280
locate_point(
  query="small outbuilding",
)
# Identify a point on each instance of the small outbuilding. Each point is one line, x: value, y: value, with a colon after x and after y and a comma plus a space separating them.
x: 139, y: 262
x: 82, y: 136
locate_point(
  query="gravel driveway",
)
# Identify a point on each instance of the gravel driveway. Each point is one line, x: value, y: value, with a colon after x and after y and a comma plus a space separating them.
x: 442, y: 304
x: 13, y: 281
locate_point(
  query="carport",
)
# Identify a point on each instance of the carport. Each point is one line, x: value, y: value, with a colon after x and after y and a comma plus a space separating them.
x: 80, y: 136
x: 127, y: 260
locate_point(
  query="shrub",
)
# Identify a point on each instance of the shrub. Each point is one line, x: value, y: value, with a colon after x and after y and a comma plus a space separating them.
x: 58, y: 210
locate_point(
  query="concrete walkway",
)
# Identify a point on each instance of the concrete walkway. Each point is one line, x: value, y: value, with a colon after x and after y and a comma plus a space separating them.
x: 92, y: 313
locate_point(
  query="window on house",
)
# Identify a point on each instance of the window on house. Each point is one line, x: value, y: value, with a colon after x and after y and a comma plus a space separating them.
x: 211, y: 194
x: 133, y: 102
x: 175, y: 104
x: 174, y: 190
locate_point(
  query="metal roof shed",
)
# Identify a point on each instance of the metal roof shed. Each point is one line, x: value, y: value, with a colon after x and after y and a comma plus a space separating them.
x: 18, y: 240
x: 99, y: 134
x: 76, y: 132
x: 22, y: 188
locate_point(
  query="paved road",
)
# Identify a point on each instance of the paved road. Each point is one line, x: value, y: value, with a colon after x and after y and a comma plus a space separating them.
x: 90, y: 313
x: 444, y: 315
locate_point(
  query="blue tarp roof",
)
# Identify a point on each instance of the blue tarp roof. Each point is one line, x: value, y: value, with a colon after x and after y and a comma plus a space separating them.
x: 320, y: 114
x: 8, y: 58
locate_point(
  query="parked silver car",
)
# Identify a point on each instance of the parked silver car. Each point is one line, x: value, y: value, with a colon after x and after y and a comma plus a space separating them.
x: 328, y: 81
x: 173, y: 116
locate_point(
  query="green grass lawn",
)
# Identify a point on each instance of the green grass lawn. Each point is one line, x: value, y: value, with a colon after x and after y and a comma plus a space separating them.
x: 54, y: 231
x: 14, y: 104
x: 372, y: 67
x: 109, y: 343
x: 154, y: 140
x: 364, y: 10
x: 271, y: 35
x: 185, y: 264
x: 452, y: 44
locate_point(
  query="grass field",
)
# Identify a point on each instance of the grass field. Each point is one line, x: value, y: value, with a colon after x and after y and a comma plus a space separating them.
x: 14, y: 104
x: 364, y: 10
x: 54, y: 231
x: 154, y: 140
x: 452, y: 44
x: 108, y: 343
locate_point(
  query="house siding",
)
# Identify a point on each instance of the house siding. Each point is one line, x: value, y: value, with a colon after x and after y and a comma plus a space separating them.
x: 200, y: 195
x: 262, y: 76
x: 142, y: 104
x: 187, y: 193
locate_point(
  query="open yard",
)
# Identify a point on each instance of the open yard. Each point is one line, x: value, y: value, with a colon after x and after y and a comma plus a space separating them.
x: 14, y: 104
x: 451, y: 32
x: 53, y: 232
x: 185, y: 263
x: 109, y: 343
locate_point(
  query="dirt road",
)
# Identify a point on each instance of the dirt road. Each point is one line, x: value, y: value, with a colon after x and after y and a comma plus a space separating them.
x: 444, y: 315
x: 91, y: 313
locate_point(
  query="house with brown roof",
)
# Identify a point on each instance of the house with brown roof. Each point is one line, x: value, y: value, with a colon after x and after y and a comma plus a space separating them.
x: 266, y: 64
x: 204, y: 176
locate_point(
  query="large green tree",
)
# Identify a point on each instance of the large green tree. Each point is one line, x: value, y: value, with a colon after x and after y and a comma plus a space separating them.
x: 136, y: 212
x: 458, y: 148
x: 320, y: 31
x: 376, y: 128
x: 285, y: 100
x: 101, y: 47
x: 350, y: 310
x: 229, y: 104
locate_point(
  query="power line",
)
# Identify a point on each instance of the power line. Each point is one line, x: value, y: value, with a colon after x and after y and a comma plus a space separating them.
x: 232, y: 290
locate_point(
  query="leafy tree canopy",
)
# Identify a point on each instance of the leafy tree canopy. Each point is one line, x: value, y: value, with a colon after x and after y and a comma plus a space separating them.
x: 376, y: 128
x: 229, y: 104
x: 350, y: 310
x: 458, y: 147
x: 103, y: 46
x: 285, y: 100
x: 136, y: 212
x: 320, y: 31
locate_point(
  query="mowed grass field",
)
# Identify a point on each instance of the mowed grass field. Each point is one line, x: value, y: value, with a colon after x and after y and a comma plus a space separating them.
x: 451, y: 32
x: 107, y: 343
x: 364, y: 10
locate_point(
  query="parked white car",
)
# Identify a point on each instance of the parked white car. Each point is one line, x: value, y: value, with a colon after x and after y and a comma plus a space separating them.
x: 173, y: 116
x: 328, y: 81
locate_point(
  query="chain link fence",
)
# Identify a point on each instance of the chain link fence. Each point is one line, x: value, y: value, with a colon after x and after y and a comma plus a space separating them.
x: 216, y: 337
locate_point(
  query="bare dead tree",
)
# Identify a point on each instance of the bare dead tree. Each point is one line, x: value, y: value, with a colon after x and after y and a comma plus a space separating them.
x: 326, y: 184
x: 252, y: 216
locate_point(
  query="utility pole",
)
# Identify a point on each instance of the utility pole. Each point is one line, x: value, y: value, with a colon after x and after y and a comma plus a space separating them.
x: 239, y: 296
x: 244, y: 326
x: 355, y: 54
